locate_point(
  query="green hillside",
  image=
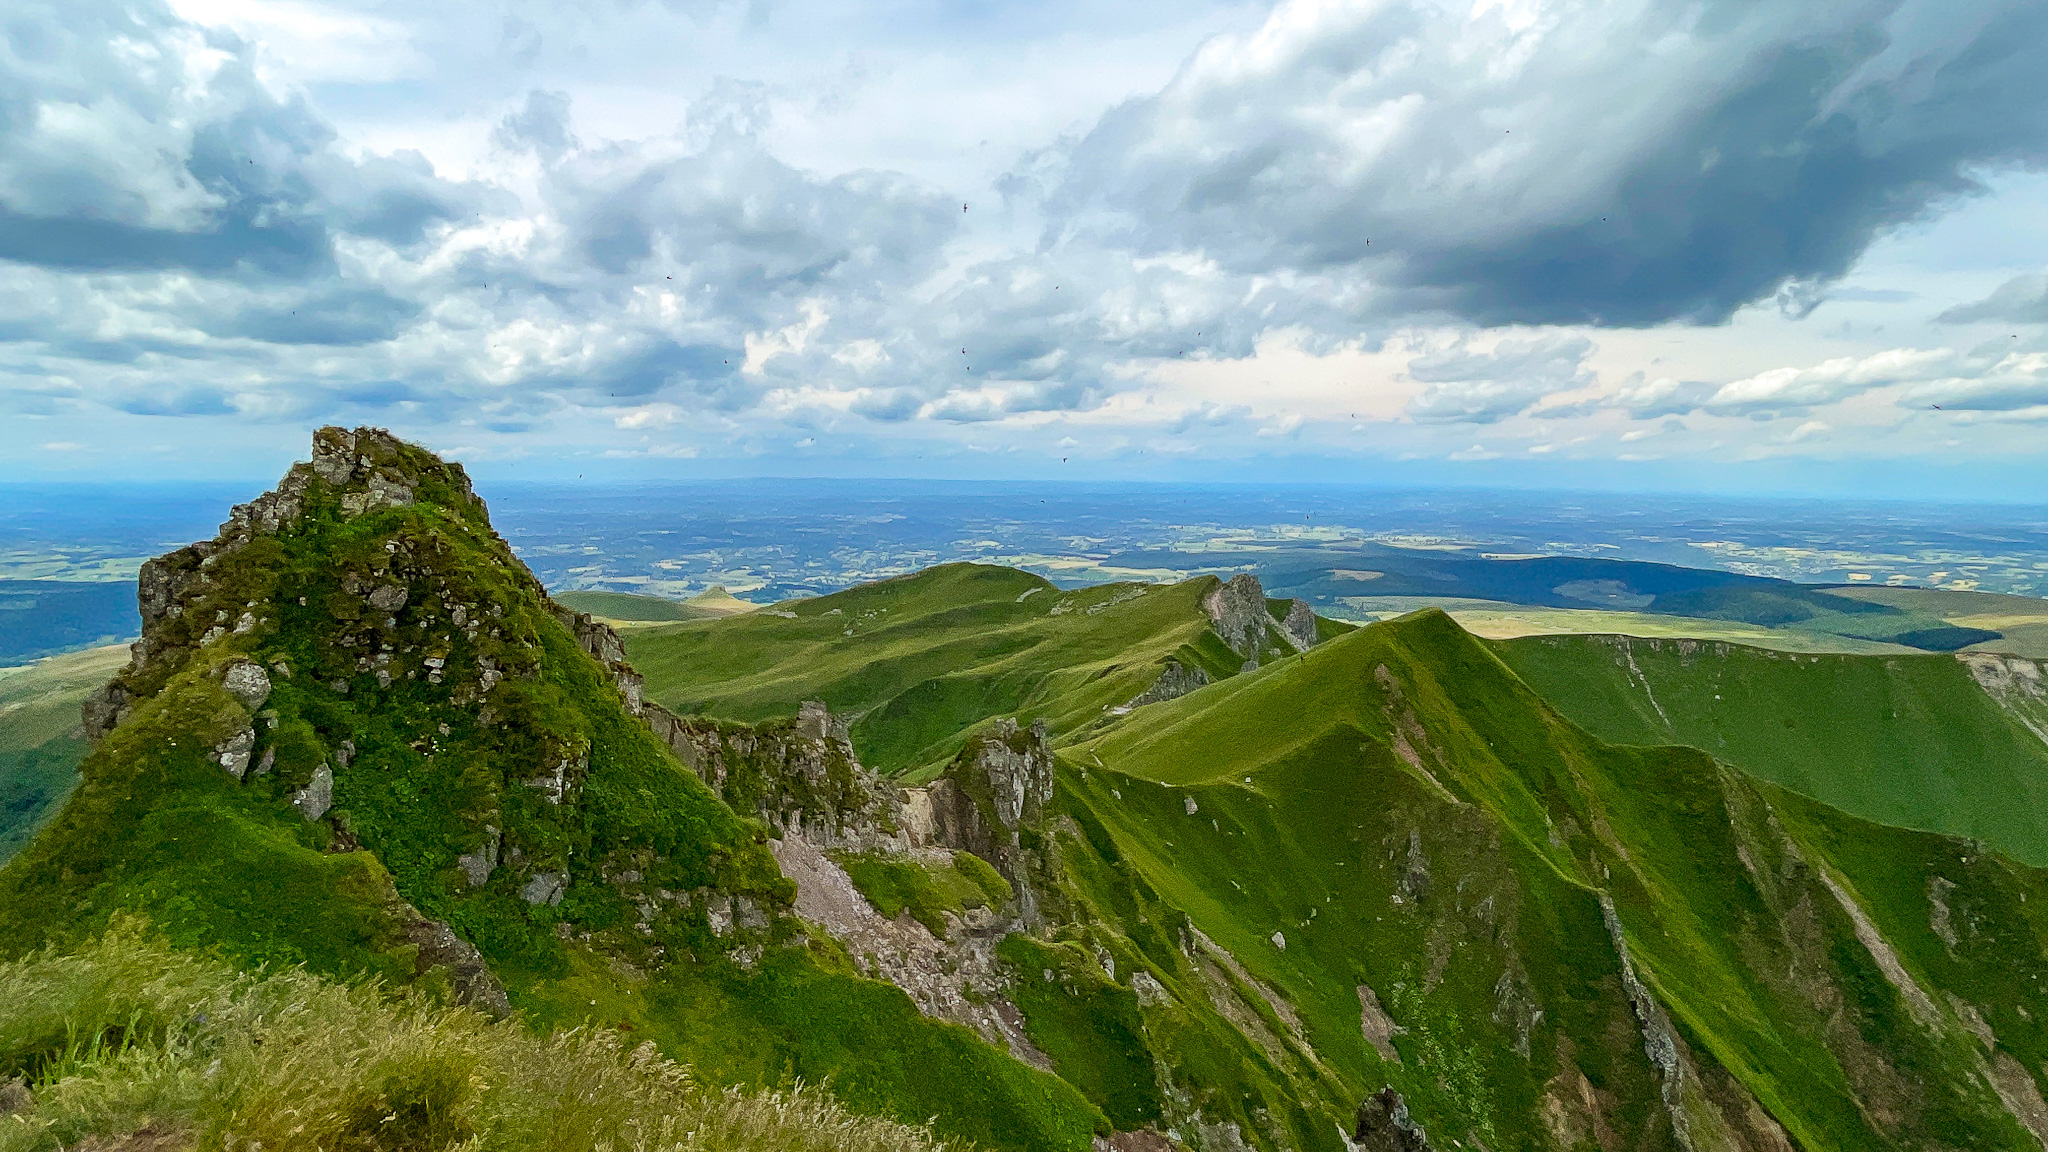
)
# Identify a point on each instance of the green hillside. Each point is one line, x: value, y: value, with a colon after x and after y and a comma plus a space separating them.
x: 1910, y: 740
x: 358, y: 737
x: 1148, y: 868
x: 1398, y: 812
x: 921, y: 659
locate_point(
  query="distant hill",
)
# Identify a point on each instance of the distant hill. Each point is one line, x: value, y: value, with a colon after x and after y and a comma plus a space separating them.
x: 43, y: 617
x: 632, y: 608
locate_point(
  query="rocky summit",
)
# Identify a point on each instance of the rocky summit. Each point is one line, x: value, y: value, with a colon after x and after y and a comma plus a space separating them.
x: 1134, y: 867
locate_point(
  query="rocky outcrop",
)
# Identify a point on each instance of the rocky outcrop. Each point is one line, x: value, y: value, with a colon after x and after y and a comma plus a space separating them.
x: 1384, y: 1125
x: 997, y: 787
x: 1299, y: 628
x: 957, y: 978
x: 1175, y: 680
x: 470, y: 976
x: 351, y: 474
x: 799, y: 776
x: 603, y: 645
x: 1239, y: 615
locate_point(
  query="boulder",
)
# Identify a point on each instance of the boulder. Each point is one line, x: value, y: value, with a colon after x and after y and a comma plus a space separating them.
x: 317, y: 796
x: 1384, y: 1125
x: 247, y: 682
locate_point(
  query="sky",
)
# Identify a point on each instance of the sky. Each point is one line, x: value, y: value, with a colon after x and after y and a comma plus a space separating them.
x: 1730, y: 246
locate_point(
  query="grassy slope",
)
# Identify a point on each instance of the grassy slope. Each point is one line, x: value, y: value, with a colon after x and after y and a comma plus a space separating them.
x: 39, y: 750
x: 1305, y: 817
x: 921, y: 659
x: 1903, y: 740
x: 158, y: 829
x: 628, y: 607
x: 128, y: 1036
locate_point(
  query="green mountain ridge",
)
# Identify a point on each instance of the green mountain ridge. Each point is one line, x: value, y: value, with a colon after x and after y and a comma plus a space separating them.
x: 1130, y: 867
x: 1952, y: 744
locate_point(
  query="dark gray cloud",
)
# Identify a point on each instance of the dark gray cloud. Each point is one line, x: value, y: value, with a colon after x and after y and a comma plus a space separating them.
x: 1620, y: 165
x: 2021, y: 300
x: 125, y: 151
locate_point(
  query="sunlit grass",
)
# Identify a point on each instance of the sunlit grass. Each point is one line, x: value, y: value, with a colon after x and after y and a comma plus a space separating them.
x: 127, y: 1036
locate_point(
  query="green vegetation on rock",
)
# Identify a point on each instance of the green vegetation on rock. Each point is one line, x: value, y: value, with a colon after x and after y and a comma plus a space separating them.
x: 925, y: 889
x: 358, y: 737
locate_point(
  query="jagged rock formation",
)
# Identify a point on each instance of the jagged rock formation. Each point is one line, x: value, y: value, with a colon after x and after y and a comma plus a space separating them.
x: 1299, y: 628
x: 996, y: 788
x: 1239, y: 615
x: 1237, y: 611
x: 799, y: 776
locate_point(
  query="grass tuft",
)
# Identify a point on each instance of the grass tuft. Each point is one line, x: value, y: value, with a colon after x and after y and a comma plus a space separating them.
x: 127, y: 1036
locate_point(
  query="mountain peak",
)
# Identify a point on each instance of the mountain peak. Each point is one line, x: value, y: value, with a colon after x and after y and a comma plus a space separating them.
x: 364, y: 469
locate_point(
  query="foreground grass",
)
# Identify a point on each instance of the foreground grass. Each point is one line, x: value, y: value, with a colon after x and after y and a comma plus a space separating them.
x: 127, y: 1037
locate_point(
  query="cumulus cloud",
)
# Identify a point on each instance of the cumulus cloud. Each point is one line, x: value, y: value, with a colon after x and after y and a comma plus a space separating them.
x: 1624, y: 163
x: 1341, y: 173
x: 1828, y: 382
x: 137, y: 141
x: 1478, y: 387
x: 2009, y: 383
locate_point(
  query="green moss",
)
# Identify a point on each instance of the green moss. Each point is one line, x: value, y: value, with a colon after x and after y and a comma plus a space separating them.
x: 898, y: 884
x: 1090, y: 1026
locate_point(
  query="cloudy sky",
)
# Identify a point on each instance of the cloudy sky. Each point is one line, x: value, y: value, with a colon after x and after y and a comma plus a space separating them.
x: 1733, y: 245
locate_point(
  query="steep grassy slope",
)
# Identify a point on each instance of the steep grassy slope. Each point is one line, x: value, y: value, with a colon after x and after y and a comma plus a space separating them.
x: 1496, y: 620
x: 1565, y: 944
x: 40, y: 745
x: 1913, y: 741
x: 358, y: 737
x: 920, y: 660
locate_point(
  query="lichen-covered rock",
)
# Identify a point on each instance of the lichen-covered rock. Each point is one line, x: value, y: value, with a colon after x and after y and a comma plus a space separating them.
x: 999, y: 785
x: 233, y: 753
x: 472, y: 979
x: 544, y: 888
x: 1237, y: 613
x: 1300, y: 625
x: 248, y: 683
x: 1175, y: 680
x: 314, y: 800
x: 799, y: 776
x: 476, y: 867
